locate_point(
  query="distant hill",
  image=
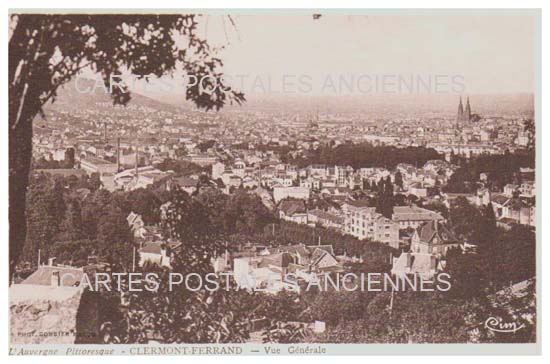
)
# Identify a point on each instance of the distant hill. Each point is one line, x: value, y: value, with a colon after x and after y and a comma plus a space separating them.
x: 69, y: 97
x: 387, y: 105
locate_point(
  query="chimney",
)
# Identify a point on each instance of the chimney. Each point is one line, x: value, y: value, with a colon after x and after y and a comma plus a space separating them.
x: 55, y: 280
x: 118, y: 154
x: 51, y: 262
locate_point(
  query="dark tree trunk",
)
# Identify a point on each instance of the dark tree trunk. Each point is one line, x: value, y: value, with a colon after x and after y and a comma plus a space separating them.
x: 20, y: 153
x: 24, y: 104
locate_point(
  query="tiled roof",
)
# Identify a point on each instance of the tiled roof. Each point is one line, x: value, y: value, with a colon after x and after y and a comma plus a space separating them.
x: 359, y: 203
x: 326, y: 247
x: 291, y: 207
x: 326, y: 216
x: 429, y: 230
x: 401, y: 213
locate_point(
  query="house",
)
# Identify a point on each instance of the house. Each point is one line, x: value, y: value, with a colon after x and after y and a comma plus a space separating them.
x: 159, y: 253
x: 136, y: 224
x: 262, y: 271
x: 386, y: 231
x: 510, y: 189
x: 293, y: 210
x: 187, y: 184
x: 217, y: 169
x: 325, y: 219
x: 311, y: 182
x: 250, y: 183
x: 321, y: 258
x: 335, y: 191
x: 519, y: 211
x: 527, y: 189
x: 433, y: 238
x: 281, y: 192
x: 413, y: 216
x: 203, y: 160
x: 418, y: 189
x: 411, y: 263
x: 269, y: 267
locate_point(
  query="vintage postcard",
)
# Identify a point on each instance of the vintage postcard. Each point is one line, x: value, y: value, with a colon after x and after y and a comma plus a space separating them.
x: 274, y: 182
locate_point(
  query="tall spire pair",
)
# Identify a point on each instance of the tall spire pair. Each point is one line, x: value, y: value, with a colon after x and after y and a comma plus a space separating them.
x: 464, y: 114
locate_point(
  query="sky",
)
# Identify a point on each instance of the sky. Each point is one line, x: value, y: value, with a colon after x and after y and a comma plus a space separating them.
x: 278, y: 53
x: 492, y: 52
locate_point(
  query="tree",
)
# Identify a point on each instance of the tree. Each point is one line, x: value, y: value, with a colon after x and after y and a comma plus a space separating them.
x: 385, y: 200
x: 490, y: 224
x: 416, y: 317
x: 71, y: 227
x: 69, y: 158
x: 73, y: 252
x: 115, y: 241
x: 92, y: 208
x: 145, y: 203
x: 177, y: 314
x: 398, y: 179
x: 466, y: 220
x: 94, y: 182
x: 244, y: 213
x: 47, y: 51
x: 46, y: 212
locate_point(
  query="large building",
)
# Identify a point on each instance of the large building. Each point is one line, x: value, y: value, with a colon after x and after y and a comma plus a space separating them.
x: 464, y: 115
x: 141, y: 177
x: 93, y: 164
x: 413, y: 216
x: 281, y: 192
x: 363, y: 222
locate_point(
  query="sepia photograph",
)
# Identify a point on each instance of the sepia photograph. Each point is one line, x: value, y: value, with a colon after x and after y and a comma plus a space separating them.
x: 306, y: 182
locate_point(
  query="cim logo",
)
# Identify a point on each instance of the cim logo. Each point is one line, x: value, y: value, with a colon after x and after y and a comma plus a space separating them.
x: 497, y: 325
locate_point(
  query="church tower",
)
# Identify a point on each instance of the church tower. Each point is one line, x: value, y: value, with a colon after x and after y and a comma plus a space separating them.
x: 460, y: 114
x: 467, y: 112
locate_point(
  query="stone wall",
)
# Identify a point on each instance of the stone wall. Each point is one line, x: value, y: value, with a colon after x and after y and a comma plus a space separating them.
x: 51, y: 315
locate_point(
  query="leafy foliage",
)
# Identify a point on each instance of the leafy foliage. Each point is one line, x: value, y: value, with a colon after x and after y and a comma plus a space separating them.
x: 367, y: 155
x: 47, y: 51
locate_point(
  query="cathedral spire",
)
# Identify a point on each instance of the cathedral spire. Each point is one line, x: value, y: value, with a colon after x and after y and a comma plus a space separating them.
x: 468, y: 111
x: 460, y: 114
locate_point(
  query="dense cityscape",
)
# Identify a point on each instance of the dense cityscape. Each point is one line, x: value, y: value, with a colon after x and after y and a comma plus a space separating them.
x: 267, y: 193
x: 219, y: 215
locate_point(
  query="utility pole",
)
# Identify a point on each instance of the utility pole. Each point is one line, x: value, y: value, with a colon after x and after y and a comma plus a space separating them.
x: 391, y: 300
x: 134, y: 260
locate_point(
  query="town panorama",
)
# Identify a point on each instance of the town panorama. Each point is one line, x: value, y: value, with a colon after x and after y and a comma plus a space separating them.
x: 388, y: 217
